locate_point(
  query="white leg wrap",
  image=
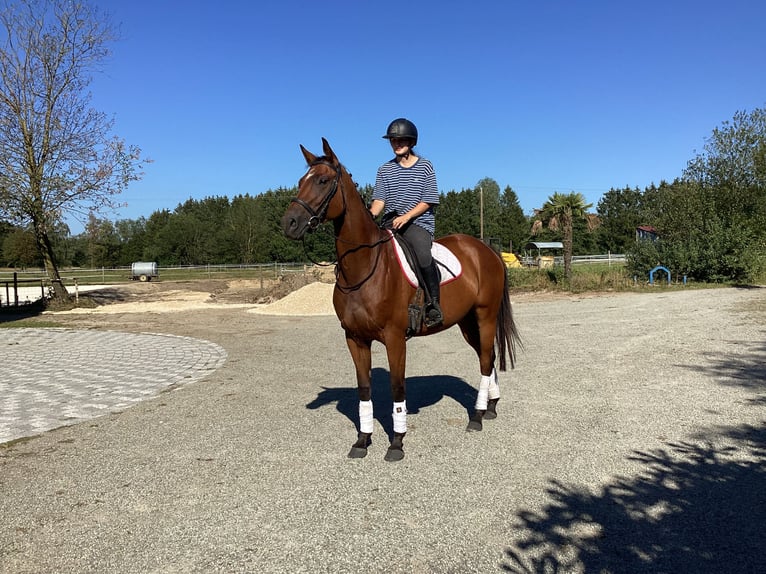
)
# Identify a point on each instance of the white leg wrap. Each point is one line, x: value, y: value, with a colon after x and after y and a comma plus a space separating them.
x: 400, y: 417
x: 481, y: 399
x: 365, y: 416
x: 494, y: 388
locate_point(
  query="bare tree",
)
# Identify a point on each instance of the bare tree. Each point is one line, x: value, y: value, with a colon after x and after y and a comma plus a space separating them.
x: 57, y: 154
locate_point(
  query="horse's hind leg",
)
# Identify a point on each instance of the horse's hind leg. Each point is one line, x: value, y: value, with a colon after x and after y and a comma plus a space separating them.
x: 479, y: 332
x: 493, y: 395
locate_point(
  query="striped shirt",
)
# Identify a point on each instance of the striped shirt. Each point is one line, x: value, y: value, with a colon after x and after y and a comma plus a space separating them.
x: 402, y: 188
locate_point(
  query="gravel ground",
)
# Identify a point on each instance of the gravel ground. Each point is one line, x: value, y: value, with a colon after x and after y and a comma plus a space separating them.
x: 631, y: 438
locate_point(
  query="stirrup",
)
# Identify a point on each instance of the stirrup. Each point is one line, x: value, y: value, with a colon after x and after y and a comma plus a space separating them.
x: 433, y: 316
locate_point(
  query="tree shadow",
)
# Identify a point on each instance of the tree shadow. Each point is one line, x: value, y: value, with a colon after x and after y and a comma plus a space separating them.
x: 694, y: 508
x: 747, y: 370
x: 12, y: 313
x: 422, y: 392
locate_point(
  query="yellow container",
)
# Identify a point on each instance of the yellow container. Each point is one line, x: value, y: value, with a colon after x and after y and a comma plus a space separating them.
x: 545, y: 261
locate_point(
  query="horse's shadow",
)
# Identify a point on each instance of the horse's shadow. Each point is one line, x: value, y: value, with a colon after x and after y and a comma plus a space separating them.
x: 421, y: 392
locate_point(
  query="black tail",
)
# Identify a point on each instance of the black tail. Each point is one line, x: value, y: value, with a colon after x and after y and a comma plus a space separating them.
x: 506, y: 336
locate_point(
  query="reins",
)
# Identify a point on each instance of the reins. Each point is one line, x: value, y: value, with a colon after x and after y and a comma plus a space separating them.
x: 354, y: 287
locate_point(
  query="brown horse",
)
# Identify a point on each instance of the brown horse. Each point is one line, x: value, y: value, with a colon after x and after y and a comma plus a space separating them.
x: 372, y: 294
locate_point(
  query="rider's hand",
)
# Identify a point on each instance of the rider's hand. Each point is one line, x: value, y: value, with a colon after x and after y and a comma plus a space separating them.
x: 400, y: 221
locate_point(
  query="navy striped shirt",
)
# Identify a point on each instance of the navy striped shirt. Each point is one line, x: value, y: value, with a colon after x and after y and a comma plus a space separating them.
x: 402, y: 188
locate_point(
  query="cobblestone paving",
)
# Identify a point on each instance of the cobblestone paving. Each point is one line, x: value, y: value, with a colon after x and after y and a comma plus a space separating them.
x: 56, y: 377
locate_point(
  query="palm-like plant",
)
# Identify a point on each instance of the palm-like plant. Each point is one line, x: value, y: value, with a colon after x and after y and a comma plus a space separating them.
x: 559, y: 213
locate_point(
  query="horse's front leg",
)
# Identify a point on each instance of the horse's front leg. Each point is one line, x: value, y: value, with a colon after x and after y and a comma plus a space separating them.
x: 362, y: 356
x: 396, y: 350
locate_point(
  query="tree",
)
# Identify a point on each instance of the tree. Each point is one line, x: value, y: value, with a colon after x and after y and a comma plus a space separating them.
x: 732, y: 171
x: 711, y: 223
x: 515, y: 228
x: 619, y: 211
x: 490, y: 216
x: 19, y: 249
x: 458, y: 212
x: 57, y: 155
x: 102, y: 242
x: 560, y: 212
x: 132, y: 238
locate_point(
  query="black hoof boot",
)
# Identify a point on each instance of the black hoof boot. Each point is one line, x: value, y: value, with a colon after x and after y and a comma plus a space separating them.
x: 491, y: 410
x: 393, y: 454
x: 359, y: 448
x: 396, y: 450
x: 474, y: 423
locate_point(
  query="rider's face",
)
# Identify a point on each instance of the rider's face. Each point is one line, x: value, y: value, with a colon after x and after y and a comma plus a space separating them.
x: 401, y: 146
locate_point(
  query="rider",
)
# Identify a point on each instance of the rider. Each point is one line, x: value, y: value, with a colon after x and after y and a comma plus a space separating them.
x: 405, y: 187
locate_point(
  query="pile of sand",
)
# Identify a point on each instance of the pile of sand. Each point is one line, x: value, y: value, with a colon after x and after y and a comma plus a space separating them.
x: 313, y: 299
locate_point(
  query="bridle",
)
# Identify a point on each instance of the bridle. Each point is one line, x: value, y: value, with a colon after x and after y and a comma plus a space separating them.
x: 318, y: 216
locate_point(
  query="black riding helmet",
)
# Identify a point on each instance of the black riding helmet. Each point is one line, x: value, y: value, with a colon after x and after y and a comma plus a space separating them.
x: 402, y: 128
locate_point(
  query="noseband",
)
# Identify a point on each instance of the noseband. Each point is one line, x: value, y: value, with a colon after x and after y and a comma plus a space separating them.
x: 318, y: 216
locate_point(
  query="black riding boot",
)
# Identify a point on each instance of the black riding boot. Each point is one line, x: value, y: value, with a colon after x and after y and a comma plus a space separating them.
x: 433, y: 316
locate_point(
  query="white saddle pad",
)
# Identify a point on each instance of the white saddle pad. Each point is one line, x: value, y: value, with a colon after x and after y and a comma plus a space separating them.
x: 448, y: 265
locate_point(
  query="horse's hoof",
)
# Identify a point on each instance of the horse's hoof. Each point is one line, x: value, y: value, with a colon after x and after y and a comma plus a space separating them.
x: 491, y: 410
x: 357, y: 452
x: 394, y: 454
x: 474, y: 425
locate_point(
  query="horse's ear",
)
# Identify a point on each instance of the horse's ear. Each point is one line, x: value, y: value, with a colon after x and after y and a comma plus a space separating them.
x: 328, y: 151
x: 310, y: 157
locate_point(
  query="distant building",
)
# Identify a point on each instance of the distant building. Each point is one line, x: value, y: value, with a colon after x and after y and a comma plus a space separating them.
x: 646, y: 233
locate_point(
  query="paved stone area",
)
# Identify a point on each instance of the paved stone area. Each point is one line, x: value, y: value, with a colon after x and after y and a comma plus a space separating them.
x: 56, y: 377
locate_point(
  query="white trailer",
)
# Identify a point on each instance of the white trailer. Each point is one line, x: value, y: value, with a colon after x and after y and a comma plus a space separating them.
x: 144, y: 271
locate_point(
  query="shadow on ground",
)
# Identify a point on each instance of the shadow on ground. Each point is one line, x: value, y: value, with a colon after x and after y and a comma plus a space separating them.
x: 422, y: 392
x: 746, y: 370
x: 692, y: 509
x: 696, y: 506
x: 20, y: 312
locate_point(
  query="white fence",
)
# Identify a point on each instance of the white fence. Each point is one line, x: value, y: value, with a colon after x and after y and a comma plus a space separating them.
x: 608, y: 258
x: 110, y: 274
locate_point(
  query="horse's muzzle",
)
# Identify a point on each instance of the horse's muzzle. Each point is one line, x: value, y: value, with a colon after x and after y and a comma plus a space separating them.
x: 294, y: 225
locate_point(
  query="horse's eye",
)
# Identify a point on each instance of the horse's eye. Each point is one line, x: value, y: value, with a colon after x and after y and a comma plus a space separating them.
x: 323, y: 180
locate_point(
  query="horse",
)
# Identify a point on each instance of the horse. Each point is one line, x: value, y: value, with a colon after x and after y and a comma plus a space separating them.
x: 372, y: 295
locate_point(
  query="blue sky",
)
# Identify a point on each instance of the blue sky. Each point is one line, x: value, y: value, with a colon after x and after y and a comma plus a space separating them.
x: 541, y: 96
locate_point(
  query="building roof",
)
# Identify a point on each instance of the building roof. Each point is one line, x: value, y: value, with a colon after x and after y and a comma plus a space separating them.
x: 545, y: 245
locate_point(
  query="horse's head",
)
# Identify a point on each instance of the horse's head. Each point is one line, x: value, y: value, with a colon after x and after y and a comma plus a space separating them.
x: 318, y: 199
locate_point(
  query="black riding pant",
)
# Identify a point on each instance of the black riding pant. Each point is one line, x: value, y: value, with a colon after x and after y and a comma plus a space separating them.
x: 420, y: 239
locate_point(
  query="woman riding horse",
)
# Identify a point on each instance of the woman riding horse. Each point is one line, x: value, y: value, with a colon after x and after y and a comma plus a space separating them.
x: 406, y: 192
x: 372, y: 295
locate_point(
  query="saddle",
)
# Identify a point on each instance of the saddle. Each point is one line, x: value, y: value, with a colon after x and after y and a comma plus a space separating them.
x: 447, y: 265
